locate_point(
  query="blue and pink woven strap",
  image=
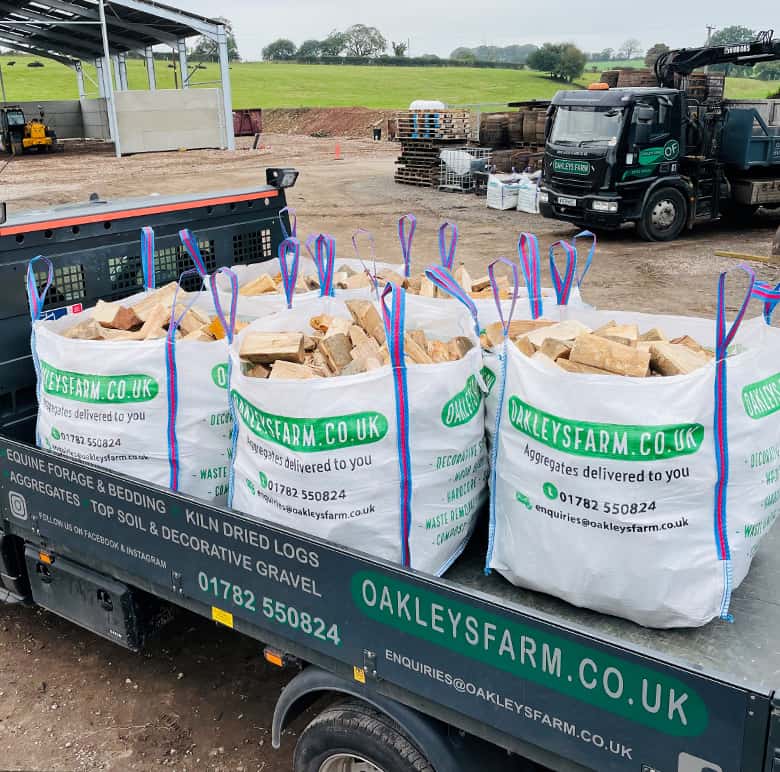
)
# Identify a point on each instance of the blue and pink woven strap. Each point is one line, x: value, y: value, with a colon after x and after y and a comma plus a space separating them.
x: 528, y: 254
x: 356, y: 234
x: 190, y: 243
x: 769, y: 297
x: 406, y: 240
x: 580, y: 277
x: 293, y: 218
x: 289, y: 258
x: 724, y: 335
x: 228, y: 320
x: 325, y: 260
x: 497, y: 292
x: 447, y: 251
x: 172, y: 377
x: 370, y: 270
x: 37, y: 299
x: 147, y: 256
x: 393, y: 305
x: 445, y: 281
x: 563, y: 284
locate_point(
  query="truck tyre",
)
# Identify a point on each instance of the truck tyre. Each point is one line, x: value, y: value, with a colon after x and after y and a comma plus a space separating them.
x: 663, y: 216
x: 354, y: 737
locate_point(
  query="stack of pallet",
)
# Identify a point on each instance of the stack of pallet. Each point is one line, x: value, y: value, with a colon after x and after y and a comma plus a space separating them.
x: 423, y: 134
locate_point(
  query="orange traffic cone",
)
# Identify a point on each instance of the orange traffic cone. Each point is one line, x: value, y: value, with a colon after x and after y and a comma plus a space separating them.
x: 338, y: 152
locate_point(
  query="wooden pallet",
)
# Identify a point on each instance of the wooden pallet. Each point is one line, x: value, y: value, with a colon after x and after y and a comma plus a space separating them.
x: 436, y: 125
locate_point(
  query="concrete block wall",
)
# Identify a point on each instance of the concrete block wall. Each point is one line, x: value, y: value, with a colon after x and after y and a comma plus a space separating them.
x: 63, y: 116
x: 169, y: 119
x: 94, y: 115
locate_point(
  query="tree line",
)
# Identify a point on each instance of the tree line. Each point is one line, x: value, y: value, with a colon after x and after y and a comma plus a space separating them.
x: 359, y: 40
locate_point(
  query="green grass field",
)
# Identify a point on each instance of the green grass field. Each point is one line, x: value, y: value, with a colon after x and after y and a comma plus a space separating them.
x: 261, y: 84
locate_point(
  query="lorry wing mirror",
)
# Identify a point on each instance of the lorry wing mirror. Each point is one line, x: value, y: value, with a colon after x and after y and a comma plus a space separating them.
x: 643, y: 116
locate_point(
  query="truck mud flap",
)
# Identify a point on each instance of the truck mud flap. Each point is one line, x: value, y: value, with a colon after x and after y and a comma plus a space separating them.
x: 14, y: 587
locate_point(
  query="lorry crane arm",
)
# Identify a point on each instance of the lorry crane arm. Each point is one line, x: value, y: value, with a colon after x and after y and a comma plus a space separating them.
x: 683, y: 61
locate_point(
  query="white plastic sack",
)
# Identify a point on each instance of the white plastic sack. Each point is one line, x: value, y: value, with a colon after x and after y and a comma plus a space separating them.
x: 325, y: 456
x: 528, y: 198
x: 156, y: 409
x: 502, y: 190
x: 606, y: 490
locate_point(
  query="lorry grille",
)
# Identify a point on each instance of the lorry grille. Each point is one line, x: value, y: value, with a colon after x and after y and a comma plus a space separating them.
x: 583, y: 185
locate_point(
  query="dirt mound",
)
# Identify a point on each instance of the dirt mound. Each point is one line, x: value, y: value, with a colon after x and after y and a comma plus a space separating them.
x: 325, y: 121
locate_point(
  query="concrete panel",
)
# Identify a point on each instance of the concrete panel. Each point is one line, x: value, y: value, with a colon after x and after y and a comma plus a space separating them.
x: 94, y: 114
x: 63, y: 116
x: 170, y: 119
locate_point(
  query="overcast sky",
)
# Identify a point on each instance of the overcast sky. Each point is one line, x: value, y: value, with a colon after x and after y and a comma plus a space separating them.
x: 439, y: 26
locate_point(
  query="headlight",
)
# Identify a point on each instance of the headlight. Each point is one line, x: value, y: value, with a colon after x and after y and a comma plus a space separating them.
x: 604, y: 206
x: 544, y: 196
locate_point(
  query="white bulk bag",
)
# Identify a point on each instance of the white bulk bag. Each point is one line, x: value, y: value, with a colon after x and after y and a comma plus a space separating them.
x: 640, y: 497
x: 155, y: 409
x: 529, y: 298
x: 390, y: 462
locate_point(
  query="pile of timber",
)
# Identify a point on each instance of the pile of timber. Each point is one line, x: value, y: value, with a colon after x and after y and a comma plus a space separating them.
x: 520, y: 160
x: 339, y: 346
x: 610, y: 77
x: 494, y: 130
x: 423, y: 135
x: 146, y: 319
x: 521, y: 128
x: 701, y: 86
x: 613, y: 349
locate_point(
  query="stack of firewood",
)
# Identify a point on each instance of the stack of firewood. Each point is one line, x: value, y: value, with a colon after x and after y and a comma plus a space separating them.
x: 338, y: 345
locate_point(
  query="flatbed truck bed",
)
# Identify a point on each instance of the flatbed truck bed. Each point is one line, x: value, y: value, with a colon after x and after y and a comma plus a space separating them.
x: 431, y: 661
x: 565, y: 687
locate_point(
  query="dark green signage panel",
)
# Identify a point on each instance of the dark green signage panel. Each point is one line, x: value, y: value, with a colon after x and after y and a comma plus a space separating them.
x: 591, y: 702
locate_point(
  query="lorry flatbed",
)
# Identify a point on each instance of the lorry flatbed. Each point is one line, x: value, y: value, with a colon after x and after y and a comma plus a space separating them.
x: 561, y: 686
x: 745, y: 652
x: 564, y: 686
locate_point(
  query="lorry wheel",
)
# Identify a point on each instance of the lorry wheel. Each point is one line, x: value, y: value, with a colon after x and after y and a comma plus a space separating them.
x: 354, y: 737
x: 663, y: 216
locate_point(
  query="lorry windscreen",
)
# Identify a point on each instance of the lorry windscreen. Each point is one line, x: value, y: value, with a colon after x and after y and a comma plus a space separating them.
x: 15, y: 118
x: 577, y: 125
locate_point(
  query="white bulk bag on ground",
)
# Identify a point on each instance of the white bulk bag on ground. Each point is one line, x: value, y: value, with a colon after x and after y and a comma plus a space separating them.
x: 640, y: 497
x: 528, y: 194
x: 390, y: 462
x: 502, y: 191
x: 154, y: 409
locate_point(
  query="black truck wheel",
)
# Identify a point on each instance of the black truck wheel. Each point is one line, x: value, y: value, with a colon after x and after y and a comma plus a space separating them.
x: 663, y: 216
x: 354, y: 737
